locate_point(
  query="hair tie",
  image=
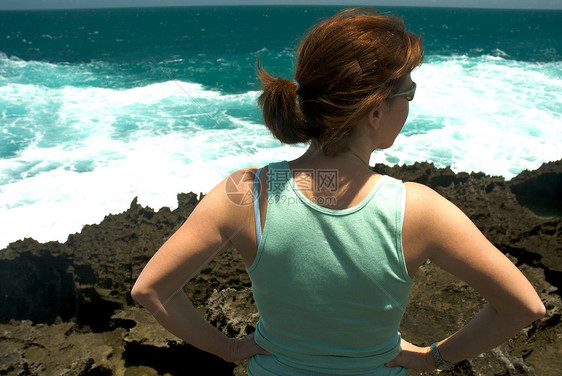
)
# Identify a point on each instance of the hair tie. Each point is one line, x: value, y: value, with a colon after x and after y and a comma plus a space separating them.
x: 298, y: 87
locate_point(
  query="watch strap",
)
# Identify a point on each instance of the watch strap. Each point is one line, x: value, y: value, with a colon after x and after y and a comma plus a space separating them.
x: 439, y: 362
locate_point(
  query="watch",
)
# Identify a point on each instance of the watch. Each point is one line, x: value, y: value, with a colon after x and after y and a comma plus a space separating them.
x: 439, y: 362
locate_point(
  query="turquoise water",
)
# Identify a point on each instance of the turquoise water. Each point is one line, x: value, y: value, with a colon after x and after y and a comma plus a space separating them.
x: 100, y: 106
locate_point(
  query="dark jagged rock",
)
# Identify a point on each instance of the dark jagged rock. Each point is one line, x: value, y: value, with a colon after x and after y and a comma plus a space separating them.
x: 147, y: 344
x: 66, y: 308
x: 545, y: 182
x: 48, y: 290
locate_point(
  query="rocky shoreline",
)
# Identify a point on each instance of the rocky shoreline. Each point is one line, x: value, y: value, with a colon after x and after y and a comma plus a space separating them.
x: 65, y: 308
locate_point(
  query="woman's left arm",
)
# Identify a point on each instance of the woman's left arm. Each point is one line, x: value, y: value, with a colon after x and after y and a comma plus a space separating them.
x: 205, y: 234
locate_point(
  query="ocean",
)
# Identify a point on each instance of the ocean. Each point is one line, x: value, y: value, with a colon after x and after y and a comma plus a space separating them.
x: 104, y: 105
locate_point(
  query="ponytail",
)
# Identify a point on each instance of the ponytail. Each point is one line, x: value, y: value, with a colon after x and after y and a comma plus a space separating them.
x: 281, y: 112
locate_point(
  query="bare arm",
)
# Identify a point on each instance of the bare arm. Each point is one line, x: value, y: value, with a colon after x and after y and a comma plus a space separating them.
x: 206, y: 233
x: 436, y: 229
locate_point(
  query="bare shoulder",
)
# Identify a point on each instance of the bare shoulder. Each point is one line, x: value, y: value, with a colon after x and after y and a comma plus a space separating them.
x: 417, y: 191
x: 428, y: 206
x: 235, y: 190
x: 228, y: 200
x: 238, y: 186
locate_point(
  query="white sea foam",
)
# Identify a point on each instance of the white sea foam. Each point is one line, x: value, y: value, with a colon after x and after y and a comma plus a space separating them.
x: 485, y: 114
x: 77, y: 153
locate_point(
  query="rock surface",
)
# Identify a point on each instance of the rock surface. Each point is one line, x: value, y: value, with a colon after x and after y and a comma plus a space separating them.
x: 65, y: 309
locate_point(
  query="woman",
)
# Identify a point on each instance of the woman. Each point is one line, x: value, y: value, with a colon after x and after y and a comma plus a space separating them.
x: 330, y: 246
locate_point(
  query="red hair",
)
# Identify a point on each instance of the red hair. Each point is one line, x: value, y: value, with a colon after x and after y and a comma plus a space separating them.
x: 346, y: 66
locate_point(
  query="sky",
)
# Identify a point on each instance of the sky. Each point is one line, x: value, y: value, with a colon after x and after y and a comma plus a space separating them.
x: 67, y: 4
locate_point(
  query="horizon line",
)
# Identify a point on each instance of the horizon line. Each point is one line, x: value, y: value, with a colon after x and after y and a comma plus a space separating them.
x: 270, y: 5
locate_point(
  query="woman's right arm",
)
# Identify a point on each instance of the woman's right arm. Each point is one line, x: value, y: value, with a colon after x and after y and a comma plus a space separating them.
x: 437, y: 230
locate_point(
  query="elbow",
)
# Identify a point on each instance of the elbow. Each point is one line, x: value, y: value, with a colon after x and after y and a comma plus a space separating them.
x: 147, y: 297
x: 539, y: 311
x: 137, y: 293
x: 141, y: 294
x: 534, y: 311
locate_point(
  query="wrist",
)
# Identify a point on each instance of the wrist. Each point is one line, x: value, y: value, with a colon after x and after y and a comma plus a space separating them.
x: 228, y: 354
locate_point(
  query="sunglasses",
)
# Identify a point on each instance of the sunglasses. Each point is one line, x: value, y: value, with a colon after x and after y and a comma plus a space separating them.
x: 408, y: 94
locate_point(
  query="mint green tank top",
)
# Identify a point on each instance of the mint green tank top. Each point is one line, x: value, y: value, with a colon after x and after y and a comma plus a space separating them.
x: 330, y: 286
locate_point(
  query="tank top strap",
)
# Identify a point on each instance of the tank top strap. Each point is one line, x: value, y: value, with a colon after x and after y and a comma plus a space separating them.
x: 257, y: 216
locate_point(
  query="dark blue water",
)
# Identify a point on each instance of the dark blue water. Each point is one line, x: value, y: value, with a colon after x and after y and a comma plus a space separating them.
x: 148, y: 43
